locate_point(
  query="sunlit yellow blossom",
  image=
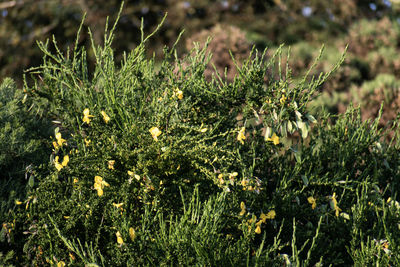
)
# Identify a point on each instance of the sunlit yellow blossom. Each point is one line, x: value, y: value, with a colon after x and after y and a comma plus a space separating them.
x: 72, y: 256
x: 75, y: 180
x: 221, y: 178
x: 155, y: 132
x: 283, y: 99
x: 334, y: 205
x: 258, y: 229
x: 241, y: 135
x: 243, y: 209
x: 312, y: 201
x: 55, y: 144
x: 60, y: 264
x: 86, y: 116
x: 99, y: 184
x: 66, y: 217
x: 57, y: 164
x: 132, y: 233
x: 106, y: 118
x: 60, y: 140
x: 65, y: 161
x: 119, y: 238
x: 178, y: 93
x: 119, y: 205
x: 274, y: 138
x: 87, y: 141
x: 269, y: 216
x: 111, y: 164
x: 17, y: 202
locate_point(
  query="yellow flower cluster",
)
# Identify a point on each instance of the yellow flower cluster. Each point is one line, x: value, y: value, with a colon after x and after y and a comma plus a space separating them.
x: 86, y: 116
x: 111, y: 164
x: 274, y: 138
x: 283, y: 99
x: 155, y: 133
x: 99, y: 184
x: 241, y: 135
x: 312, y: 201
x: 334, y: 205
x: 178, y: 93
x: 59, y: 141
x: 61, y: 165
x: 106, y: 118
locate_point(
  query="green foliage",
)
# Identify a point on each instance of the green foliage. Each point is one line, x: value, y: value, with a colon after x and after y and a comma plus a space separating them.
x: 154, y: 164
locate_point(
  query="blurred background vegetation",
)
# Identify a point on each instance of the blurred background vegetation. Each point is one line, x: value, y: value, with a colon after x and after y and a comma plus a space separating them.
x: 369, y: 75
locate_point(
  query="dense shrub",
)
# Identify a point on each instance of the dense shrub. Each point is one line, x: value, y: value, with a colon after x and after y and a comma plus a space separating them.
x: 151, y: 165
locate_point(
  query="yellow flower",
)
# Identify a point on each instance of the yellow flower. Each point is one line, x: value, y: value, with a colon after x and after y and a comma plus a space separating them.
x: 60, y: 140
x: 106, y: 118
x: 65, y: 161
x: 86, y: 116
x: 137, y: 177
x: 119, y: 238
x: 283, y: 99
x: 132, y: 233
x: 60, y: 264
x: 99, y: 184
x: 87, y: 142
x: 312, y: 201
x: 334, y: 205
x: 72, y: 256
x: 17, y: 202
x: 240, y: 137
x: 269, y: 216
x: 178, y: 93
x: 221, y: 178
x: 119, y: 205
x: 274, y: 138
x: 111, y: 164
x: 57, y: 164
x: 258, y: 229
x: 243, y: 209
x: 55, y: 144
x: 75, y: 180
x: 155, y: 132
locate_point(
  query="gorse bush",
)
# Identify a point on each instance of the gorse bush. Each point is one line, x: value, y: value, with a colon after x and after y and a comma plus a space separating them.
x: 157, y: 165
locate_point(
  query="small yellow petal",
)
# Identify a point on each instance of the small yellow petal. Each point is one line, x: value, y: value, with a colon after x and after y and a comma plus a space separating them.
x: 241, y: 135
x: 119, y: 238
x: 270, y: 215
x: 312, y: 201
x: 118, y: 205
x: 111, y: 164
x: 274, y: 138
x: 65, y: 161
x: 17, y: 202
x: 60, y: 264
x: 99, y: 192
x: 258, y: 229
x: 155, y: 132
x: 58, y: 165
x: 98, y: 179
x: 106, y: 118
x: 132, y: 233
